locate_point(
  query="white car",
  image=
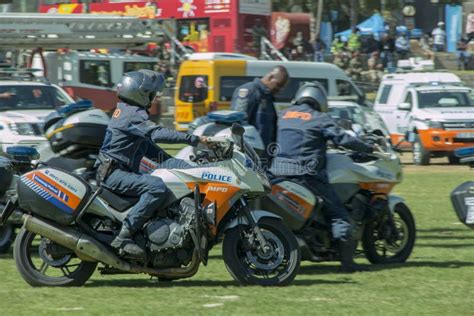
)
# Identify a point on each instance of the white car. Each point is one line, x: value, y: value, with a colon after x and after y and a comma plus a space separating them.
x: 23, y: 107
x: 432, y: 111
x: 364, y: 119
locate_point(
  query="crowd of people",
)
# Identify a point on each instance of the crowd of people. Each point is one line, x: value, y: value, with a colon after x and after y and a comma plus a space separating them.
x: 377, y: 54
x: 365, y: 57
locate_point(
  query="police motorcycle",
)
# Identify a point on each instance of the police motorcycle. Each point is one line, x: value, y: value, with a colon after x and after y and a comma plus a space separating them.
x: 18, y: 160
x: 68, y: 226
x: 75, y: 134
x: 462, y: 197
x: 385, y: 226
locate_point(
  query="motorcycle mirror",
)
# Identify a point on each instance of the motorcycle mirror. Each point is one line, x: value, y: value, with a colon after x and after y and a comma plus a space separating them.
x: 237, y: 129
x: 345, y: 124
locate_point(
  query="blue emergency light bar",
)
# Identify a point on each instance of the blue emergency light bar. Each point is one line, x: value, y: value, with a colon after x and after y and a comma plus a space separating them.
x: 75, y: 107
x: 227, y: 116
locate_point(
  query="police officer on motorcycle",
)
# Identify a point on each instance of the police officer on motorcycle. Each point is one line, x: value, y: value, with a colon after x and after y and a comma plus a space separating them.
x: 303, y: 132
x: 256, y: 98
x: 130, y: 136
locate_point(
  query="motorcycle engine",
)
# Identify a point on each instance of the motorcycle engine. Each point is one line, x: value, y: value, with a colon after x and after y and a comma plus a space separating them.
x: 173, y: 231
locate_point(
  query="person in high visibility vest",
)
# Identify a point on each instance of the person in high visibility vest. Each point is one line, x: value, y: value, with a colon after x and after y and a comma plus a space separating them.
x: 337, y: 45
x: 354, y: 40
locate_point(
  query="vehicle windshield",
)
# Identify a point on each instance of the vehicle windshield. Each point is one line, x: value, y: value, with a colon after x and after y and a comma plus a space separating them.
x: 23, y: 97
x: 137, y: 65
x: 444, y: 99
x: 352, y: 114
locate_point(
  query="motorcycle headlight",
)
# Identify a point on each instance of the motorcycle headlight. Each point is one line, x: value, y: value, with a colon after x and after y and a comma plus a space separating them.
x: 435, y: 124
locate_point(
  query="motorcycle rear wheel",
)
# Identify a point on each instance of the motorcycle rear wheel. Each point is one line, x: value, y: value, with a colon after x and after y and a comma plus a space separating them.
x: 382, y: 249
x: 250, y: 266
x: 44, y: 263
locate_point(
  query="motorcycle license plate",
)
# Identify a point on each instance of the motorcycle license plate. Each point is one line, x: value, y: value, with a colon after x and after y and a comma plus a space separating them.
x: 7, y: 212
x: 465, y: 135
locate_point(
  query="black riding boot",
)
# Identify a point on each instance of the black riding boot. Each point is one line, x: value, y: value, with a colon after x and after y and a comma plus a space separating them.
x: 126, y: 244
x: 346, y: 251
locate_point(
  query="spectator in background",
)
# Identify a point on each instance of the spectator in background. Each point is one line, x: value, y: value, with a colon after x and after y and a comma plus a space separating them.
x: 439, y: 38
x: 425, y: 44
x: 375, y: 66
x: 402, y: 45
x: 319, y: 48
x: 371, y: 45
x: 355, y: 67
x: 463, y: 55
x: 387, y: 50
x: 339, y: 60
x: 470, y: 26
x: 337, y: 45
x: 354, y: 41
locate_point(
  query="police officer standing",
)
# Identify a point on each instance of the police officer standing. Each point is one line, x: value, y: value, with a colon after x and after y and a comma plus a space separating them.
x: 256, y: 98
x: 130, y: 136
x: 303, y: 131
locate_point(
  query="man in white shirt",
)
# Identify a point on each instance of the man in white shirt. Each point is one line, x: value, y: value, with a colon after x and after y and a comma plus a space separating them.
x: 470, y: 25
x: 439, y: 38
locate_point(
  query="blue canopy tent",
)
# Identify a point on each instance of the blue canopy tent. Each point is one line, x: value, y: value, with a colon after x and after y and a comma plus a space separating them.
x: 373, y: 25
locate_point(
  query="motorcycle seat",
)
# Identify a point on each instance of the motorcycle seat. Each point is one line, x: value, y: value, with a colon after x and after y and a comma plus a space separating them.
x: 119, y: 202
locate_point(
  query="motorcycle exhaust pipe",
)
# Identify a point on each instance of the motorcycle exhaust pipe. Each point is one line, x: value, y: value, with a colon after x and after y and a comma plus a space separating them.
x: 83, y: 245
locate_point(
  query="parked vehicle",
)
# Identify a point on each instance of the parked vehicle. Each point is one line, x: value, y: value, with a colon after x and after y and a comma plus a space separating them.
x: 364, y: 119
x: 94, y: 76
x: 434, y: 112
x: 74, y: 225
x: 385, y: 224
x: 206, y: 82
x: 25, y: 101
x: 462, y: 197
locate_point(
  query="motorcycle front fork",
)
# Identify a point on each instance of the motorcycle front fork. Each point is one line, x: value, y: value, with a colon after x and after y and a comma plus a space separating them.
x: 263, y: 244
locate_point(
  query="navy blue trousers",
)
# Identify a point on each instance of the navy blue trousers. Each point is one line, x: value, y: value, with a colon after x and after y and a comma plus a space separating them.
x: 151, y: 191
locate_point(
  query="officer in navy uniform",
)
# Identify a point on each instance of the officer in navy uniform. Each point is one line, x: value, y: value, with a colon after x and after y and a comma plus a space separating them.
x: 303, y: 132
x: 256, y: 98
x: 130, y: 136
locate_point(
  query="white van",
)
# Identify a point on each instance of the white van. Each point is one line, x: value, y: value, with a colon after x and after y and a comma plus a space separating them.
x: 433, y: 111
x: 206, y: 82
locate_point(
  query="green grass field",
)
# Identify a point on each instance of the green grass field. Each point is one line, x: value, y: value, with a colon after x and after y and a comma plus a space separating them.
x: 437, y: 279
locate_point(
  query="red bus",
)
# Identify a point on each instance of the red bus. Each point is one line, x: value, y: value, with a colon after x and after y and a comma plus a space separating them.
x: 204, y: 25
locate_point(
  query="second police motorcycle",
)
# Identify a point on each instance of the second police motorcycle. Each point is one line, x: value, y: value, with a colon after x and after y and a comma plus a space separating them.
x: 385, y: 226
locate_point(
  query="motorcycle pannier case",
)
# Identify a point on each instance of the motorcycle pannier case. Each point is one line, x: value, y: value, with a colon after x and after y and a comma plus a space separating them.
x: 64, y: 134
x: 52, y: 194
x: 463, y: 202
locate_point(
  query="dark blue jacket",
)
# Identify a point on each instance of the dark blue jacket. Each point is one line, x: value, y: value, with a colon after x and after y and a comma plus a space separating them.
x: 302, y: 139
x: 257, y: 100
x: 131, y: 135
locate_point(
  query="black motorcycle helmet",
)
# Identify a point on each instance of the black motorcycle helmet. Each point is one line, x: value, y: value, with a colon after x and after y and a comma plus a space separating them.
x: 139, y: 88
x: 314, y: 94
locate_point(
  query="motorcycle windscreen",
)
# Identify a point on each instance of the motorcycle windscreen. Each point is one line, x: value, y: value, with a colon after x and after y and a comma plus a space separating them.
x: 463, y: 202
x: 52, y: 194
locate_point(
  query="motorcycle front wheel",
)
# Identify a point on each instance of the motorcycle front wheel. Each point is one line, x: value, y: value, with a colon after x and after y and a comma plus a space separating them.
x: 250, y: 265
x: 42, y: 262
x: 390, y: 240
